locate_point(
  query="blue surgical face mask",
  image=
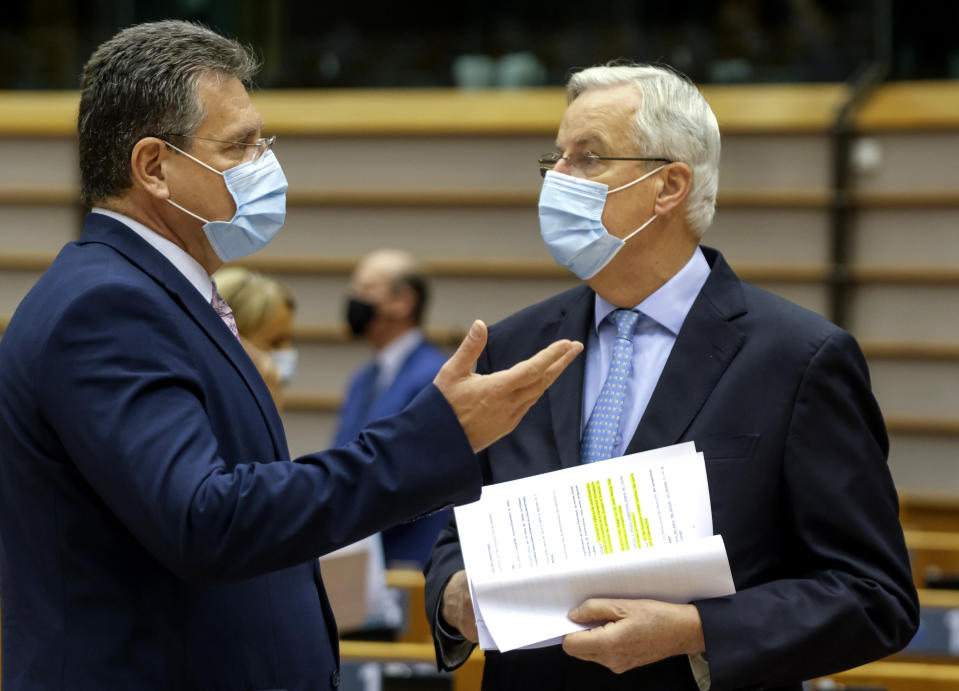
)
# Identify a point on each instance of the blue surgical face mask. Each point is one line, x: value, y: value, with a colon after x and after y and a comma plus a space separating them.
x: 285, y: 361
x: 570, y: 221
x: 259, y: 190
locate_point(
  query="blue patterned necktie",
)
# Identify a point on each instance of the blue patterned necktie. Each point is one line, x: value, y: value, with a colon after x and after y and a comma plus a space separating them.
x: 603, y: 425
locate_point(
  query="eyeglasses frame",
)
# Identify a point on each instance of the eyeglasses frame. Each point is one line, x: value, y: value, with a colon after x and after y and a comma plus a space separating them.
x: 544, y: 167
x: 263, y: 144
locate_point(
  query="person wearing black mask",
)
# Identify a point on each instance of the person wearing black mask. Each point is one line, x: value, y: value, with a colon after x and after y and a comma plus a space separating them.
x: 388, y: 294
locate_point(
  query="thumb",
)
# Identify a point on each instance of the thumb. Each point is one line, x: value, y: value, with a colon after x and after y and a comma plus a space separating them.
x: 462, y: 361
x: 594, y: 609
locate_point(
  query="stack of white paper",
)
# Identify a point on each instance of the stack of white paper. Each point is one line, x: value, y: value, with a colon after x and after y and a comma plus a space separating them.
x: 637, y: 526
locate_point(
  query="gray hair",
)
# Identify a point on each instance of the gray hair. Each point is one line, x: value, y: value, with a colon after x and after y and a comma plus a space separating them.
x: 673, y: 121
x: 142, y: 83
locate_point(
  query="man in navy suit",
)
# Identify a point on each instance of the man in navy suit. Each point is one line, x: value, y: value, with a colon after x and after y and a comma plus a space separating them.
x: 153, y: 532
x: 389, y: 291
x: 776, y: 397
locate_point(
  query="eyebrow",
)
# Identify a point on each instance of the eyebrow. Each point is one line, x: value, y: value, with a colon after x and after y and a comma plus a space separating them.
x: 585, y: 141
x: 244, y: 134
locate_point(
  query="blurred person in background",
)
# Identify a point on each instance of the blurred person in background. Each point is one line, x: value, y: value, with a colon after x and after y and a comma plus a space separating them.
x: 388, y: 295
x: 263, y: 309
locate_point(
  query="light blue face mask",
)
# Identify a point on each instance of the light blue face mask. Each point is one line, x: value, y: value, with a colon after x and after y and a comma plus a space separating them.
x: 285, y: 361
x: 570, y: 221
x: 259, y: 190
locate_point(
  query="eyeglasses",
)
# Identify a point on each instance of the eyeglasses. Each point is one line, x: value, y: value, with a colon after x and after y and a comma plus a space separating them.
x: 251, y: 151
x: 585, y: 163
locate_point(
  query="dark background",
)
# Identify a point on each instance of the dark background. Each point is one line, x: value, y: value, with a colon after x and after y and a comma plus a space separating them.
x: 314, y: 44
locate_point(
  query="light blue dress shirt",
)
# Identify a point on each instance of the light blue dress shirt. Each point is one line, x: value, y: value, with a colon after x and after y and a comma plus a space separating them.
x: 664, y: 313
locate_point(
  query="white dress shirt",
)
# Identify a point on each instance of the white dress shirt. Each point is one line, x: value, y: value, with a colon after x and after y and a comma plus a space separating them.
x: 184, y: 263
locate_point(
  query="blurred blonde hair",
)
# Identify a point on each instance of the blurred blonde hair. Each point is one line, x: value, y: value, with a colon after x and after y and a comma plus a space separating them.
x: 252, y: 296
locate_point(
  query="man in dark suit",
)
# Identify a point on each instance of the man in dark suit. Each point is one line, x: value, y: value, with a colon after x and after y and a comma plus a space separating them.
x: 153, y: 532
x: 388, y: 295
x: 776, y: 397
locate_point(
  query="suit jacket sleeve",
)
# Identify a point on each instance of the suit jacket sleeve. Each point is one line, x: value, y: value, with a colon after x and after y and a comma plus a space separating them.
x: 156, y: 450
x: 445, y: 560
x: 848, y: 597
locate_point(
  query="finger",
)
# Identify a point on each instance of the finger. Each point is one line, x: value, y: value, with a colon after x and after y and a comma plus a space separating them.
x: 551, y: 374
x: 527, y: 394
x: 557, y: 368
x: 461, y: 362
x: 583, y: 644
x: 535, y: 368
x: 595, y: 609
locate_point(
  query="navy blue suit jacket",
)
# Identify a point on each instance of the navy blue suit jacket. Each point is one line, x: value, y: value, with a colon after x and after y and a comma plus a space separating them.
x: 412, y: 541
x: 153, y: 533
x: 779, y: 401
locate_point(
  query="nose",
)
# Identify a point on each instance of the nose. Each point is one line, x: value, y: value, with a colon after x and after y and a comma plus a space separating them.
x: 562, y: 166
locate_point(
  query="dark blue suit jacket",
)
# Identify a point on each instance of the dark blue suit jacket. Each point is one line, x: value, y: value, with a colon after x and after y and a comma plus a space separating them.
x: 779, y: 401
x: 153, y: 533
x: 407, y: 542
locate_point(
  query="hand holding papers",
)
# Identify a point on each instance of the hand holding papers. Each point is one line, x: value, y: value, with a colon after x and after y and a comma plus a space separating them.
x: 638, y: 526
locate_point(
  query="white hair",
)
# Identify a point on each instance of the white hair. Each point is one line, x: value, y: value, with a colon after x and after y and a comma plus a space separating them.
x: 673, y: 121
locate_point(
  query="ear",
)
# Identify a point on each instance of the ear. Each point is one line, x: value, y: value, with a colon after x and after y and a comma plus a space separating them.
x: 147, y: 163
x: 400, y: 306
x: 677, y: 181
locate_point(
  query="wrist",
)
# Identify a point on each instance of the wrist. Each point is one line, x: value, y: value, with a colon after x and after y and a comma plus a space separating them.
x: 693, y: 641
x: 450, y: 605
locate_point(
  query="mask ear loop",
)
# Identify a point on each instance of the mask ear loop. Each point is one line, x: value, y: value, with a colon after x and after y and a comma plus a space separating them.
x: 628, y: 184
x: 187, y: 211
x: 195, y: 159
x: 654, y: 217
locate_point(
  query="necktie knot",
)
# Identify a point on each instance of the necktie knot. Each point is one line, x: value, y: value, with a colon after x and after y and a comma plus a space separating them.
x: 625, y: 323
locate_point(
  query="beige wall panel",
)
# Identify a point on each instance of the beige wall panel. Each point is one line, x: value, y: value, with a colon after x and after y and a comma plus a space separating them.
x: 37, y: 228
x: 779, y: 236
x: 775, y: 162
x: 925, y: 464
x: 456, y: 301
x: 413, y: 163
x: 813, y: 296
x: 916, y: 387
x: 319, y: 299
x: 913, y: 161
x: 906, y: 313
x: 483, y: 232
x: 38, y: 162
x: 308, y: 431
x: 327, y: 367
x: 906, y: 237
x: 13, y: 286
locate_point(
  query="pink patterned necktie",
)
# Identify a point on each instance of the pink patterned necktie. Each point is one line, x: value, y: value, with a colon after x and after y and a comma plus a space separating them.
x: 223, y: 311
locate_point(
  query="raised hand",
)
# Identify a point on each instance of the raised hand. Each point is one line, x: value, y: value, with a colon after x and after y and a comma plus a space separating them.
x: 489, y: 406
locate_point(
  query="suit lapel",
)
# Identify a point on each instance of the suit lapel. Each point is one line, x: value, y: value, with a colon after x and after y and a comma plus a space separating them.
x: 105, y: 230
x: 707, y: 342
x: 566, y: 394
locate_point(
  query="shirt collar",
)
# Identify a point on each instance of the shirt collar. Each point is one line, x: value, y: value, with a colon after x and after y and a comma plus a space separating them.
x: 184, y: 263
x: 392, y: 357
x: 670, y: 304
